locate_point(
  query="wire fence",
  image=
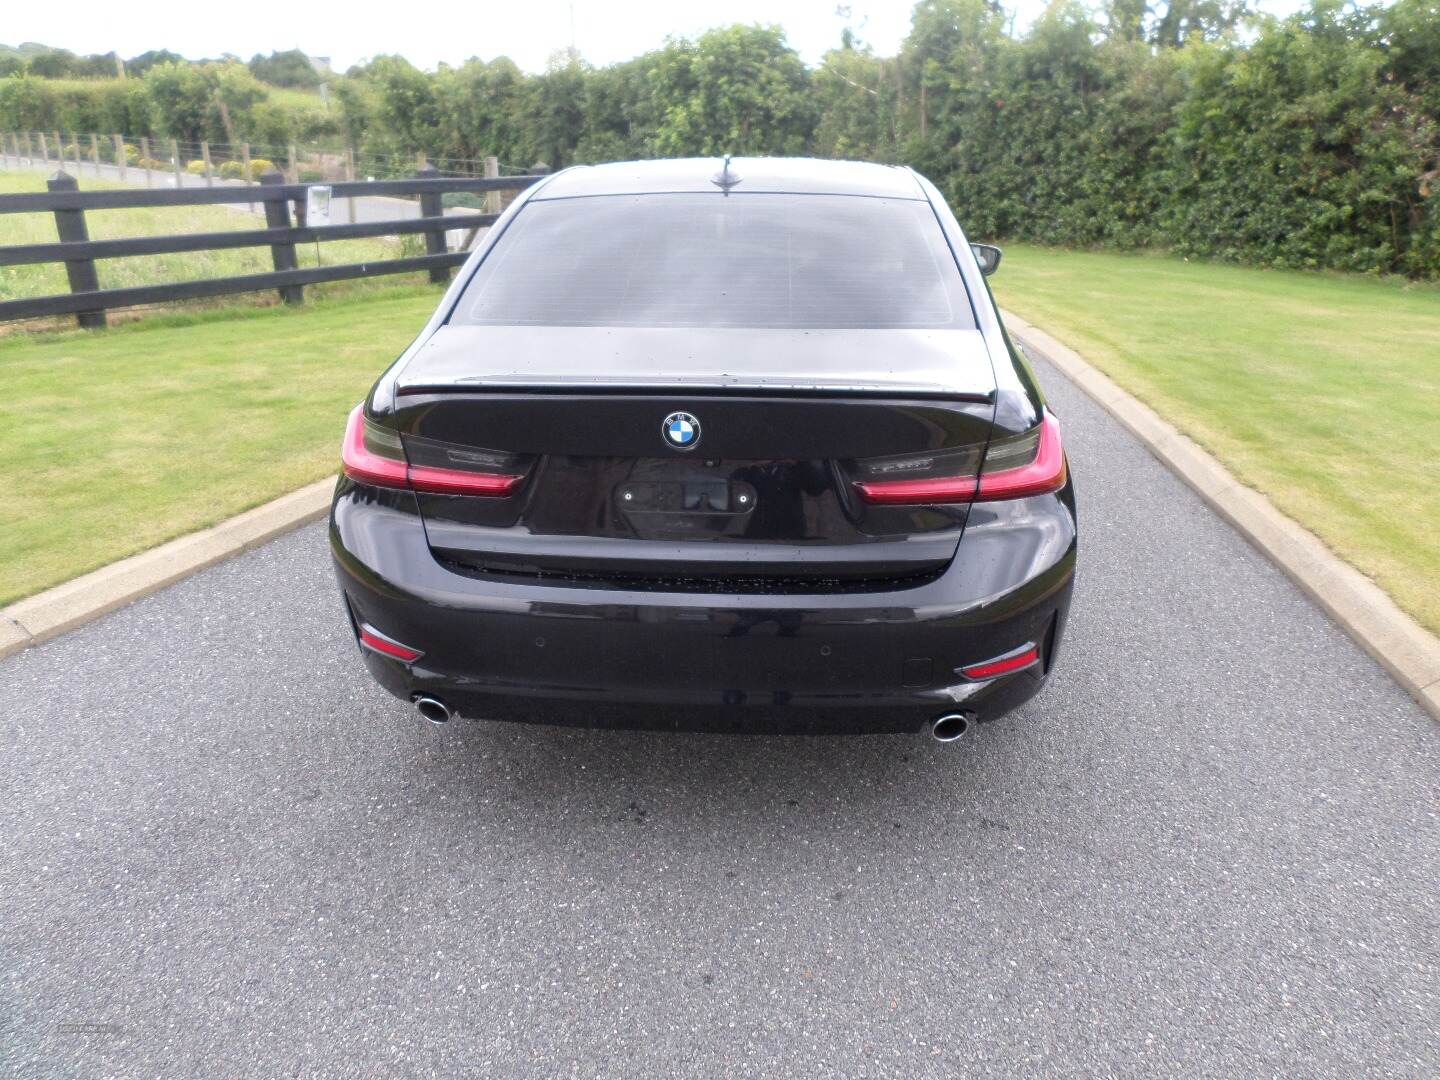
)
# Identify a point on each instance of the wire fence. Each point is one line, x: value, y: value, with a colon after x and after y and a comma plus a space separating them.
x: 153, y: 162
x: 240, y: 161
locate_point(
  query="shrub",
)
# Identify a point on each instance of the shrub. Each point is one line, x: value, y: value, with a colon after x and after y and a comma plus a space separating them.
x: 107, y: 152
x: 195, y: 168
x: 232, y: 170
x: 26, y: 104
x: 259, y: 167
x: 271, y: 124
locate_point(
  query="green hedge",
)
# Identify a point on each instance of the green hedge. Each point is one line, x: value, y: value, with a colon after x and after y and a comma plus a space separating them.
x: 1302, y: 147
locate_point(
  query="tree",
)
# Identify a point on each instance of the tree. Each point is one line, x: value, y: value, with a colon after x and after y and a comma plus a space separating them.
x: 1172, y: 22
x: 1125, y: 19
x: 856, y: 97
x: 1206, y: 19
x: 406, y: 106
x: 359, y: 105
x: 234, y: 95
x: 740, y: 89
x: 946, y: 60
x: 289, y: 68
x: 139, y: 65
x: 100, y: 66
x: 1409, y: 37
x: 180, y: 98
x: 620, y: 115
x: 53, y: 64
x: 213, y: 101
x: 483, y: 106
x: 553, y: 110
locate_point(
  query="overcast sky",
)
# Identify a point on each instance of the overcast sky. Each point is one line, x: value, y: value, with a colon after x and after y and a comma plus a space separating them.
x: 527, y: 31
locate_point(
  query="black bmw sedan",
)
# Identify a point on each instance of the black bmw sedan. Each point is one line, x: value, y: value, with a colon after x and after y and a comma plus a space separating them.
x: 710, y: 445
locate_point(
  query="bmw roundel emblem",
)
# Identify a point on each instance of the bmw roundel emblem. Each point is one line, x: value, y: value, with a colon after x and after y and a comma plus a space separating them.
x: 681, y: 430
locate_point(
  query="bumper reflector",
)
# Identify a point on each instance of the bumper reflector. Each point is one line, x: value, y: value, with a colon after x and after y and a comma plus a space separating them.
x: 375, y: 641
x: 1011, y: 662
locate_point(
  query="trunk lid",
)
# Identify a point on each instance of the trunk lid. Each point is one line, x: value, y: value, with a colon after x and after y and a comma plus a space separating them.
x: 763, y: 500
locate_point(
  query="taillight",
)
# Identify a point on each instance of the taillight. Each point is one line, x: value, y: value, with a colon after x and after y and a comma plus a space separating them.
x: 1031, y: 463
x: 1024, y: 465
x: 447, y: 469
x: 944, y: 476
x: 375, y: 455
x: 372, y: 454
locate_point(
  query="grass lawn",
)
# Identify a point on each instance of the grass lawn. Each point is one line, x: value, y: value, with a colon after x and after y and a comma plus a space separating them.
x: 113, y: 441
x: 1322, y: 391
x: 45, y: 279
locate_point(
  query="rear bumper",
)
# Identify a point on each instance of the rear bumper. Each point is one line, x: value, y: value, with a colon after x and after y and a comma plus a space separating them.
x: 847, y: 662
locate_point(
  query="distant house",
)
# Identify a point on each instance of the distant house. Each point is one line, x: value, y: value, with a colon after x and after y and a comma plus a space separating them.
x: 321, y: 64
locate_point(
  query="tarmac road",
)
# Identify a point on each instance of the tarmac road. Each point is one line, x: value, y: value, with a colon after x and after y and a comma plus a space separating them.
x: 1209, y: 848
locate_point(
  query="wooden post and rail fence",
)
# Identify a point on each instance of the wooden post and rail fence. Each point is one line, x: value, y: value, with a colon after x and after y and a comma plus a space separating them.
x: 283, y: 230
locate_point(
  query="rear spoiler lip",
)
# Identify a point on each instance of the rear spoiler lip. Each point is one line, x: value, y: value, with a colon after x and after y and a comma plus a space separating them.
x: 890, y: 391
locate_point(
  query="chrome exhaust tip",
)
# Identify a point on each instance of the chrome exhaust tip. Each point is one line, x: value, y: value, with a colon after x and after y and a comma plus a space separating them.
x: 949, y: 727
x: 432, y: 709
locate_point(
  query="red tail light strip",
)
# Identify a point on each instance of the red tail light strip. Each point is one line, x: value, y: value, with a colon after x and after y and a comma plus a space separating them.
x: 1011, y: 662
x: 942, y: 489
x: 460, y: 482
x: 1046, y: 473
x: 377, y: 642
x: 360, y: 463
x: 363, y: 464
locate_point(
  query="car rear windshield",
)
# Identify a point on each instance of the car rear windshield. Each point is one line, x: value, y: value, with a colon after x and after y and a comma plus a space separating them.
x: 715, y: 260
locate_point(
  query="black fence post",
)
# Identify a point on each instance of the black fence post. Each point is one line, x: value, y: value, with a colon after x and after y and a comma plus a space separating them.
x: 277, y: 216
x: 70, y: 225
x: 433, y: 205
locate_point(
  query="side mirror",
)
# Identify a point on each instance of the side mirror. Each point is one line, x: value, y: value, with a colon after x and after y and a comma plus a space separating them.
x: 988, y: 256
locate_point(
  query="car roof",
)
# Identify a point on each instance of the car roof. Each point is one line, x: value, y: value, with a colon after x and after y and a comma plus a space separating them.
x: 811, y: 176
